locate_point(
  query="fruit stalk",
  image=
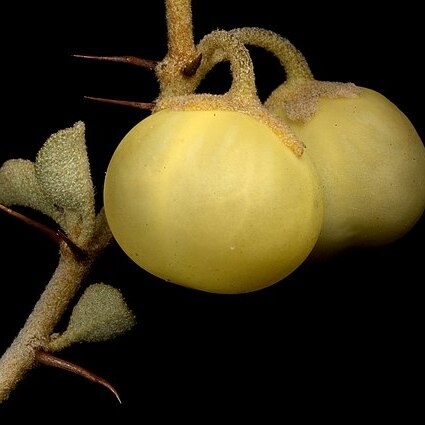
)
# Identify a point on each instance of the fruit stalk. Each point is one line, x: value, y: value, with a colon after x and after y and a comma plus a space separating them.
x: 292, y: 60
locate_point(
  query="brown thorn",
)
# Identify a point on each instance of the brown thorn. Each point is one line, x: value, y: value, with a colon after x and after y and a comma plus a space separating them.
x: 53, y: 361
x: 56, y: 235
x: 132, y: 60
x: 190, y: 69
x: 137, y: 105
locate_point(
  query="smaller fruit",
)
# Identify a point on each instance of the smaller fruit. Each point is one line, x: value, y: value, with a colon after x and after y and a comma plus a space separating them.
x: 371, y: 162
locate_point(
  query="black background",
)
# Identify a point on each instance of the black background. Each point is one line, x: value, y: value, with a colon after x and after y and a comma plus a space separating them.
x: 335, y: 340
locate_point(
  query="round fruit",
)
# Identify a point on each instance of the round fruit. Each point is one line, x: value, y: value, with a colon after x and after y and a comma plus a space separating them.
x: 212, y: 200
x: 371, y: 162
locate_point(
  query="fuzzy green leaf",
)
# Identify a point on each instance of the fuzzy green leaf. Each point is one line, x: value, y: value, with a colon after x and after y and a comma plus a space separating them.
x: 100, y: 314
x: 63, y: 170
x: 19, y: 186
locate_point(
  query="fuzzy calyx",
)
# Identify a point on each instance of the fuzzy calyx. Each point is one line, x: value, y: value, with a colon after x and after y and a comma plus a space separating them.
x: 299, y: 99
x: 242, y: 95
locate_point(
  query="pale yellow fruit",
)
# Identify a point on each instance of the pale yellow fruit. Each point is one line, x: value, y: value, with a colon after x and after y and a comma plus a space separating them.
x: 212, y: 200
x: 372, y: 165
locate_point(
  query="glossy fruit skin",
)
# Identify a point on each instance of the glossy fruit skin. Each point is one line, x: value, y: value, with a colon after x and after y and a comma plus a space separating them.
x: 212, y: 200
x: 372, y: 165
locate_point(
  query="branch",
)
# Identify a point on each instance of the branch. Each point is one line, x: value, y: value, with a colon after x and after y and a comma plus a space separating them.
x: 180, y: 30
x: 35, y: 334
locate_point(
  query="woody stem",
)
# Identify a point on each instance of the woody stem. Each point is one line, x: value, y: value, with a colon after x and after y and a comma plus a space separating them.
x: 35, y: 334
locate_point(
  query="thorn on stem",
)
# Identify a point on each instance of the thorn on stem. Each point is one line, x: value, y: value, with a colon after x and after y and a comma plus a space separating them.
x: 132, y: 60
x: 56, y: 235
x: 190, y: 69
x: 53, y: 361
x: 137, y: 105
